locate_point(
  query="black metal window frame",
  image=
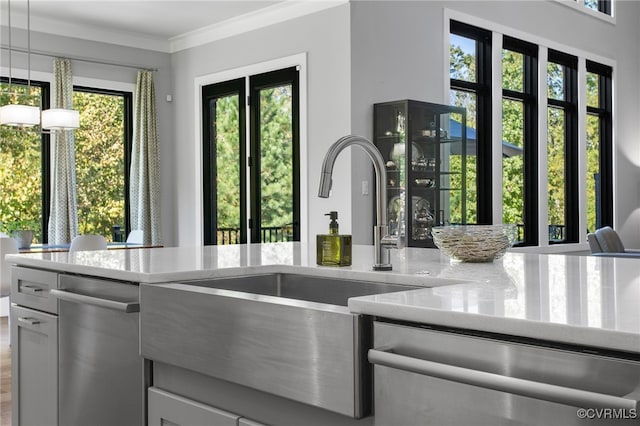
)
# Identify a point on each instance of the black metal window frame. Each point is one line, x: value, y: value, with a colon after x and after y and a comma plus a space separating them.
x: 529, y: 98
x: 604, y: 6
x: 210, y: 94
x: 257, y: 82
x: 604, y: 112
x: 45, y: 152
x: 569, y: 105
x: 127, y: 120
x: 482, y: 89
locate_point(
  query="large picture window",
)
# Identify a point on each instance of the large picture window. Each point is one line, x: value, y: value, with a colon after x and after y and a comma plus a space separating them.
x: 103, y: 147
x: 547, y: 211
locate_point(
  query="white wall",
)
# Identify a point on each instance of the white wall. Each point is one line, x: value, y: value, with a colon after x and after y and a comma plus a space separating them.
x: 398, y: 50
x: 324, y: 38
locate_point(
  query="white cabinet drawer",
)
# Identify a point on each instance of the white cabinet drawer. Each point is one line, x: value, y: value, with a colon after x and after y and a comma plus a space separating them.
x: 166, y: 408
x: 30, y: 288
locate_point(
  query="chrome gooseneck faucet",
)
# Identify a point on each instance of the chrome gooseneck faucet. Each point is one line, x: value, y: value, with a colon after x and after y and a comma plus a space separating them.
x: 381, y: 241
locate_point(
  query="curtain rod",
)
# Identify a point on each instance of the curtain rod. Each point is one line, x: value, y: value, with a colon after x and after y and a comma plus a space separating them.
x: 93, y: 61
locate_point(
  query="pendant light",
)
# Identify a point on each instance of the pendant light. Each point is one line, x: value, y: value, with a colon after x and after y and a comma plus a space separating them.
x: 25, y: 116
x: 20, y: 115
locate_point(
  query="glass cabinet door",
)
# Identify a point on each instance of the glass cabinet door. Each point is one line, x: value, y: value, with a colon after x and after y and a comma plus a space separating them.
x: 424, y: 146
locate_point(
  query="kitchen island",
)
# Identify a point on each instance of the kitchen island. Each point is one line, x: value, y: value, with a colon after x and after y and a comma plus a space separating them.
x: 578, y: 301
x: 585, y: 300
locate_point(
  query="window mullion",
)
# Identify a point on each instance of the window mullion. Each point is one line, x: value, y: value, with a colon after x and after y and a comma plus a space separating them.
x: 543, y: 178
x: 582, y: 149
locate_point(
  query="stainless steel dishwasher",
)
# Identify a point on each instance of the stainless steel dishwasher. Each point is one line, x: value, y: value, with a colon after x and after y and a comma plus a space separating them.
x: 425, y: 376
x: 102, y: 377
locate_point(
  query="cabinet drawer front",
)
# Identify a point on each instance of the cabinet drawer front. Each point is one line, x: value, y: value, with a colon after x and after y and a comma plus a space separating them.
x: 168, y: 408
x: 30, y: 288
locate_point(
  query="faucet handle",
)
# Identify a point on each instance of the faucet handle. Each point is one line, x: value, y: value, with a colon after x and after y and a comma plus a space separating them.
x: 393, y: 242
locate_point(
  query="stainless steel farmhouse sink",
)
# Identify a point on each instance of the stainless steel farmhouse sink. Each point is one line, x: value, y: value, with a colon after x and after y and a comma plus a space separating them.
x: 286, y: 334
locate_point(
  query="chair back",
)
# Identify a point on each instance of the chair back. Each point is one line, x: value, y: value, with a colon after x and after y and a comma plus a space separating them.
x: 7, y: 246
x: 136, y: 237
x: 594, y: 245
x: 609, y: 240
x: 88, y: 242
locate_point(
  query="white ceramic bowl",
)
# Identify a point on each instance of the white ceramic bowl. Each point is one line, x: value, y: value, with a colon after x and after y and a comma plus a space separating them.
x: 474, y: 243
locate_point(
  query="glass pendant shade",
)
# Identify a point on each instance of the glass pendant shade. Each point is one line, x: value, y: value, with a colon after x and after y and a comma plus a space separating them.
x: 19, y: 115
x: 60, y: 119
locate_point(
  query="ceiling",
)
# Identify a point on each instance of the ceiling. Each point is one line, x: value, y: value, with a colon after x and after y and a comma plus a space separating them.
x: 148, y: 23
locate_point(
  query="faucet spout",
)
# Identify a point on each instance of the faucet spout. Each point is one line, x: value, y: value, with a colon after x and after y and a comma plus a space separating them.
x: 381, y: 240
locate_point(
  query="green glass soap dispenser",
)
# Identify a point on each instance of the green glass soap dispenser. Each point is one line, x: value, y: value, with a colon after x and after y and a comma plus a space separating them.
x: 333, y: 249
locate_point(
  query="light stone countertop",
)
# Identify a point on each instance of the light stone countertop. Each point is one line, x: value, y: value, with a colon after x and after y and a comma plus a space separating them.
x: 580, y: 300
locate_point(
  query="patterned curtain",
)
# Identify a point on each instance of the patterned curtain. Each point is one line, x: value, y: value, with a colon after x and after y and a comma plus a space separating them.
x: 145, y: 172
x: 63, y: 219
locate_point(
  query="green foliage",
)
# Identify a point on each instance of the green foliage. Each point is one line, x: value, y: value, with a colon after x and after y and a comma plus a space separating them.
x: 99, y: 168
x: 20, y: 172
x: 276, y: 159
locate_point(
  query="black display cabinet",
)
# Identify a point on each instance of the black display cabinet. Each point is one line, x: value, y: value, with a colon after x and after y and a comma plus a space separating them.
x: 424, y: 146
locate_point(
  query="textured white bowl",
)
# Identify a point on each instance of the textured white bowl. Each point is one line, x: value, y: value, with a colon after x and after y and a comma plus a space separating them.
x: 474, y: 243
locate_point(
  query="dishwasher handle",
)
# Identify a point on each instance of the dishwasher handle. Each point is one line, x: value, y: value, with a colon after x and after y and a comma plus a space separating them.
x: 531, y: 389
x: 126, y: 307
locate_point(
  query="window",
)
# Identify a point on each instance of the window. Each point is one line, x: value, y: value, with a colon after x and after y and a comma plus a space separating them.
x: 267, y: 209
x: 549, y: 211
x: 24, y: 165
x: 599, y: 147
x: 470, y: 71
x: 562, y: 147
x: 103, y: 147
x: 520, y: 138
x: 603, y: 6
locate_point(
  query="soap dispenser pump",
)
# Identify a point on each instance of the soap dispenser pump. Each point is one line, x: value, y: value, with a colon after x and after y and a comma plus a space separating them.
x: 333, y: 249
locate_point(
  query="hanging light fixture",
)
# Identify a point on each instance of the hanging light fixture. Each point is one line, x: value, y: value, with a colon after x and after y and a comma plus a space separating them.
x: 25, y: 116
x: 19, y: 115
x: 60, y: 119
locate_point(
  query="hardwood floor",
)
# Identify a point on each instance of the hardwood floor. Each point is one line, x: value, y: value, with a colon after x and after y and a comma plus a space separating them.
x: 5, y: 373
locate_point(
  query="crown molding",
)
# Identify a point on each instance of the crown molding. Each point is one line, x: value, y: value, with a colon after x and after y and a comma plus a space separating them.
x: 279, y: 12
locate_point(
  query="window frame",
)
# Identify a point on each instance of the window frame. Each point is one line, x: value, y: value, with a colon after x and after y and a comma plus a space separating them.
x: 128, y: 140
x: 209, y: 161
x: 529, y: 99
x: 45, y: 152
x: 570, y: 107
x: 46, y: 165
x: 258, y: 82
x: 482, y: 88
x: 498, y: 31
x: 604, y: 111
x: 248, y: 87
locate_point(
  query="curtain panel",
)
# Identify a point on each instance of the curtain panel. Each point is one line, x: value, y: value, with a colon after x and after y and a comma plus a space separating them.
x: 144, y: 190
x: 63, y: 219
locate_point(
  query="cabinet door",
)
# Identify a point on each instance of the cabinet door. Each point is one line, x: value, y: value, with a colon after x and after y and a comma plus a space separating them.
x: 34, y: 363
x: 168, y: 409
